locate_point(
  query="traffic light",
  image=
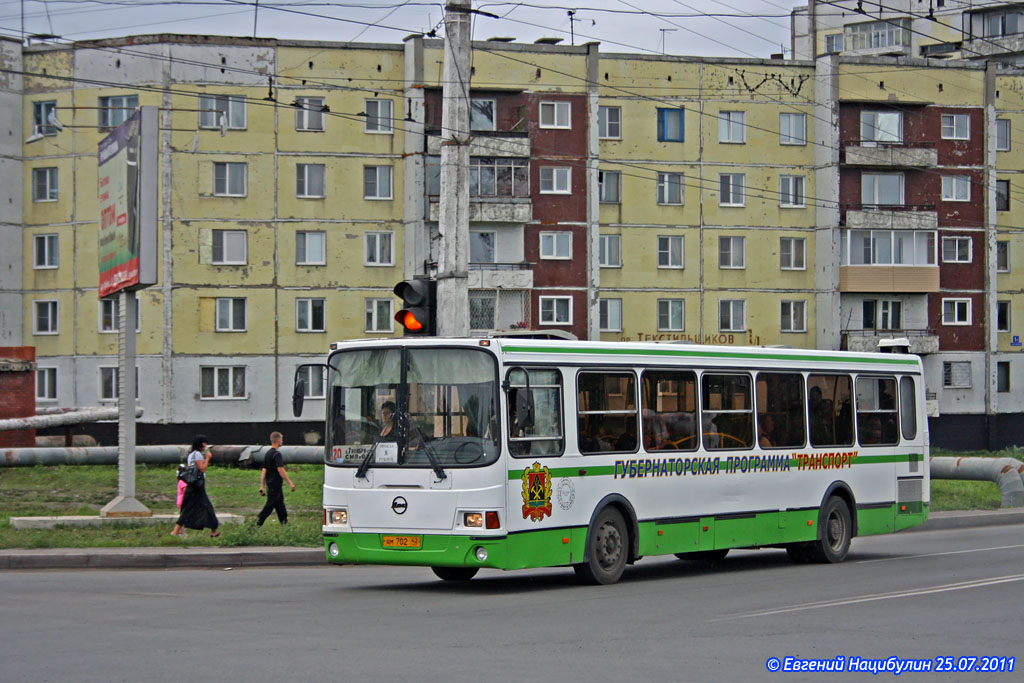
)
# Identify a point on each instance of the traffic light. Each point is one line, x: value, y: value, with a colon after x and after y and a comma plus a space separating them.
x: 418, y: 313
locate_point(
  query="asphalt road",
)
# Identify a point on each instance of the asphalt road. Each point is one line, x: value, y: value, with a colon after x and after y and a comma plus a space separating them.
x: 931, y: 594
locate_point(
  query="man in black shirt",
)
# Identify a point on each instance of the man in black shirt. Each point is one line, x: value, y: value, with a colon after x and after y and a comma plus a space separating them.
x: 271, y: 479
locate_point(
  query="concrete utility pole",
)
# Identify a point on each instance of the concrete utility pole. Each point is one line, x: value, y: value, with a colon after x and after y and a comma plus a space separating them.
x: 453, y: 218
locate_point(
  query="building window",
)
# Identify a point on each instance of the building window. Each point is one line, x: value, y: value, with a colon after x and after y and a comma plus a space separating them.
x: 222, y: 111
x: 888, y: 247
x: 555, y: 180
x: 881, y: 126
x: 609, y: 123
x: 956, y: 188
x: 309, y: 315
x: 956, y: 374
x: 229, y: 248
x: 481, y: 246
x: 555, y: 114
x: 110, y: 386
x: 732, y: 126
x: 231, y: 314
x: 881, y: 315
x: 609, y: 186
x: 377, y: 182
x: 956, y: 311
x: 670, y: 251
x: 310, y: 248
x: 881, y: 189
x: 379, y: 116
x: 792, y: 129
x: 314, y: 382
x: 115, y: 110
x: 794, y: 316
x: 110, y: 309
x: 229, y: 178
x: 670, y: 188
x: 1003, y: 376
x: 378, y: 249
x: 379, y: 315
x: 1002, y: 195
x: 956, y: 127
x: 309, y: 113
x: 482, y: 304
x: 732, y: 315
x: 41, y: 113
x: 1003, y: 316
x: 834, y: 43
x: 791, y: 191
x: 877, y: 34
x: 610, y: 315
x: 1002, y: 135
x: 556, y: 245
x: 46, y: 384
x: 609, y: 251
x: 956, y: 249
x: 732, y: 189
x: 222, y: 382
x: 732, y: 252
x: 670, y: 125
x: 46, y: 253
x: 1003, y: 256
x: 671, y: 315
x: 481, y: 114
x: 309, y: 181
x: 44, y: 184
x: 555, y: 310
x: 44, y: 317
x: 792, y: 252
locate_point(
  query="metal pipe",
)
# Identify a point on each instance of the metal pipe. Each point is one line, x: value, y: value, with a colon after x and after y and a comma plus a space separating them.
x: 153, y: 455
x: 59, y: 419
x: 1006, y: 472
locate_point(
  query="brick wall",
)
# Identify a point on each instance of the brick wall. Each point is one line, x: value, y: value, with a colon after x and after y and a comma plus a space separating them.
x: 17, y: 392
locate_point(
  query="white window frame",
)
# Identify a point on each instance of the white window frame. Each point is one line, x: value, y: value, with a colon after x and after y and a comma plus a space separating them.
x: 231, y: 107
x: 956, y: 188
x: 793, y: 316
x: 231, y: 303
x: 115, y: 382
x: 873, y: 134
x: 875, y: 177
x: 732, y: 127
x: 665, y: 184
x: 231, y: 370
x: 788, y: 261
x: 309, y: 114
x: 665, y: 312
x: 789, y: 197
x: 1002, y: 256
x: 476, y: 114
x: 833, y: 43
x: 45, y: 251
x: 605, y: 249
x: 960, y: 309
x: 557, y: 114
x: 549, y: 314
x: 230, y: 169
x: 379, y: 248
x: 737, y: 257
x: 555, y: 180
x: 733, y: 184
x: 1003, y: 320
x: 302, y: 181
x: 45, y: 177
x: 609, y: 317
x: 486, y: 241
x: 1003, y: 136
x: 307, y: 374
x: 786, y: 126
x: 609, y: 125
x: 52, y: 316
x: 371, y: 317
x: 234, y: 258
x: 951, y: 125
x: 304, y: 236
x: 41, y: 110
x: 309, y: 304
x: 114, y: 109
x: 732, y: 304
x: 111, y: 315
x: 949, y: 380
x: 665, y: 250
x: 382, y: 121
x: 378, y: 171
x: 556, y: 245
x: 605, y: 195
x: 46, y: 383
x: 960, y: 253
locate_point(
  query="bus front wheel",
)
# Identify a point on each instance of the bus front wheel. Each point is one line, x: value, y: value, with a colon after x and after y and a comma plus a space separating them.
x: 607, y: 548
x: 835, y: 534
x: 455, y: 573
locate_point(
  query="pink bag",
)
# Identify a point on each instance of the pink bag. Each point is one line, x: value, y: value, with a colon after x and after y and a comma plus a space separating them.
x: 181, y: 492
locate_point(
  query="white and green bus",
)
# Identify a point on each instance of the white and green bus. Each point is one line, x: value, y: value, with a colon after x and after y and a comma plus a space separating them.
x: 458, y: 454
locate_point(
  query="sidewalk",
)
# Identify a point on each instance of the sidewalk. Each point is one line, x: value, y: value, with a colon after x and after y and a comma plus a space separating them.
x: 279, y: 556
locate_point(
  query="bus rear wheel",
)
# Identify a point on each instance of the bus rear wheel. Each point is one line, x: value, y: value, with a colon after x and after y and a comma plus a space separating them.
x: 455, y: 573
x: 835, y: 533
x: 607, y: 548
x: 708, y: 556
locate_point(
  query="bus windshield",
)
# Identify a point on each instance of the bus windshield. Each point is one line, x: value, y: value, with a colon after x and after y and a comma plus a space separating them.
x: 413, y: 407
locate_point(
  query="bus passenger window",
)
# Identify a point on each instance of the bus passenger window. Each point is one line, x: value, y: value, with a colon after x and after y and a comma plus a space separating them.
x: 544, y: 436
x: 908, y: 408
x: 669, y: 410
x: 780, y: 410
x: 876, y: 411
x: 606, y: 404
x: 727, y: 412
x: 829, y: 409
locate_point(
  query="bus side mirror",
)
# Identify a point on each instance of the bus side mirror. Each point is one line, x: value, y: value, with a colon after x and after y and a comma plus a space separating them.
x: 316, y: 373
x: 298, y: 396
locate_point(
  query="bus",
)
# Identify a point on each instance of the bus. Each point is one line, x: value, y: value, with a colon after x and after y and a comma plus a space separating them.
x: 462, y: 454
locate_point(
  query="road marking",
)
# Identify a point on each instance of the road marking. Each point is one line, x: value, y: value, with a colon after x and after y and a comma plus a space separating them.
x: 948, y: 552
x: 964, y: 585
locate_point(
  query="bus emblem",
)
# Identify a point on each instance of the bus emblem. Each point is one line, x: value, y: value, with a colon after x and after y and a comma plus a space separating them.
x: 536, y: 492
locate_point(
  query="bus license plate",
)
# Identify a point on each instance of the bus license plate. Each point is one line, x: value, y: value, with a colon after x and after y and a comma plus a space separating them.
x: 402, y: 542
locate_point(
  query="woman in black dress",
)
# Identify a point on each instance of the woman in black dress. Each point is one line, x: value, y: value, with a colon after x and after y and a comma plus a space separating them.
x: 196, y: 509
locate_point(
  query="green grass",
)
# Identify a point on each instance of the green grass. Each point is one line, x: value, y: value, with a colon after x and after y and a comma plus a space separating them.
x: 84, y: 489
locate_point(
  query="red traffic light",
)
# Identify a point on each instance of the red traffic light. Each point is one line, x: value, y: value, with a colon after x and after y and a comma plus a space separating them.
x: 418, y: 306
x: 407, y: 319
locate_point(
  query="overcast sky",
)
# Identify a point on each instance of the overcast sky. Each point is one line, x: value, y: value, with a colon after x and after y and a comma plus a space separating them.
x: 736, y: 28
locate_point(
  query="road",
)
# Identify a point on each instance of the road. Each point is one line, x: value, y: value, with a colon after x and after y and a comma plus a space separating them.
x: 917, y: 595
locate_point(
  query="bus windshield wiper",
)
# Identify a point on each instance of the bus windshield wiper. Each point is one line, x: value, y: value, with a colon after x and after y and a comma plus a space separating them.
x: 368, y: 460
x: 429, y: 450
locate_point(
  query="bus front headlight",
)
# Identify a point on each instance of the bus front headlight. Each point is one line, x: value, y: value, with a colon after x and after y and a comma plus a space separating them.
x: 339, y: 517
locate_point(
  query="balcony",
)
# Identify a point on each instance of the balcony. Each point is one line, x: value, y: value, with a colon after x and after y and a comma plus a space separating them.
x: 497, y: 310
x: 489, y: 144
x: 890, y: 155
x: 501, y: 275
x: 921, y: 341
x: 894, y: 217
x: 492, y: 210
x: 996, y: 45
x: 889, y: 279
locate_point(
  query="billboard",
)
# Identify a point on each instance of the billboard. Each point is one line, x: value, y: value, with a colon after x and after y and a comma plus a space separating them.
x: 127, y: 171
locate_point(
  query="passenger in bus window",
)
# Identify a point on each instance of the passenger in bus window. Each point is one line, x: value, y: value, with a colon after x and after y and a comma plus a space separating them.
x: 387, y: 420
x: 765, y: 427
x: 655, y: 431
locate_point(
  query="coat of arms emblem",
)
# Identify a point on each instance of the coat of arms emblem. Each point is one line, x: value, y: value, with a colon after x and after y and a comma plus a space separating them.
x: 536, y: 492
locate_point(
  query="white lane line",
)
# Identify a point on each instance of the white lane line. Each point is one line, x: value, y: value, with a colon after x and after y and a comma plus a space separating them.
x: 948, y: 552
x: 978, y: 583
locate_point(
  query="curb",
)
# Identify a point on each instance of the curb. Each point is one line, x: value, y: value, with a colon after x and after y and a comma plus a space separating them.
x: 965, y: 519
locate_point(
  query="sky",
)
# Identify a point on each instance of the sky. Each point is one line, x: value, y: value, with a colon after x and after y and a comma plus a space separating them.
x: 726, y: 28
